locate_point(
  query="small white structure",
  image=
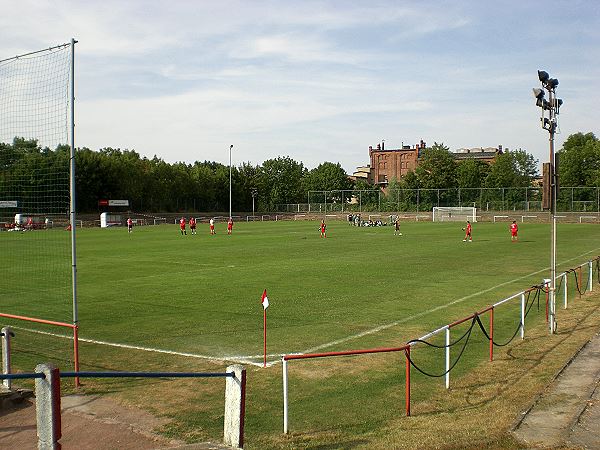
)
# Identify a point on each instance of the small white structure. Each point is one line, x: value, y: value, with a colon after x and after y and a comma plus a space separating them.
x: 109, y: 220
x: 30, y: 221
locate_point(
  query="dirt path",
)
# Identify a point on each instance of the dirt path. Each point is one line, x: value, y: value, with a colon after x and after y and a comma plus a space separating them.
x: 87, y: 423
x: 568, y: 413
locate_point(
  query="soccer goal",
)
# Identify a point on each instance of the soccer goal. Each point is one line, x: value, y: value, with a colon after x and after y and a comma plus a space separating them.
x: 454, y: 213
x: 37, y: 192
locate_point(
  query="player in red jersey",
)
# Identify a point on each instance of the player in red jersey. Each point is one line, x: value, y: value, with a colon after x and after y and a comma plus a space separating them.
x: 467, y: 231
x: 514, y: 230
x: 211, y: 224
x: 129, y: 225
x: 229, y: 225
x: 192, y: 225
x: 323, y: 228
x: 182, y: 226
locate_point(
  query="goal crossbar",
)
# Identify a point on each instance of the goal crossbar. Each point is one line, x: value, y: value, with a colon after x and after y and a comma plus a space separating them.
x: 454, y: 213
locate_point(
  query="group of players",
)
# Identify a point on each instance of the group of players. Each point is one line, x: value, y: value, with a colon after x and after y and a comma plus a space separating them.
x: 514, y: 228
x: 514, y: 232
x: 192, y: 223
x: 211, y: 224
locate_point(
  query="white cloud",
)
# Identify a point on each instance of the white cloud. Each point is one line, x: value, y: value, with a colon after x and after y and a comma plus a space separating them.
x: 312, y: 79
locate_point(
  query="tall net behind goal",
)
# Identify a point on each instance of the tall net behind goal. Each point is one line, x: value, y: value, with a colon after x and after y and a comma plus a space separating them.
x: 35, y: 161
x: 454, y: 214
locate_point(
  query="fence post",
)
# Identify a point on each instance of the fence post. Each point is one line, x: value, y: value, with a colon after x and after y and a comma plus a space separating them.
x: 546, y: 284
x: 6, y: 335
x: 235, y: 406
x: 47, y: 406
x: 492, y: 334
x: 407, y: 381
x: 448, y: 358
x: 590, y: 276
x: 285, y: 396
x: 565, y: 278
x: 522, y: 316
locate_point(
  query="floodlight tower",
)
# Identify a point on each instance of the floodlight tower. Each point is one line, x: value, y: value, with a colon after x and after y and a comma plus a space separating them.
x: 550, y: 123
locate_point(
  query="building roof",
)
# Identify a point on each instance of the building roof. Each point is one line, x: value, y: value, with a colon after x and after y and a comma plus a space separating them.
x: 476, y: 155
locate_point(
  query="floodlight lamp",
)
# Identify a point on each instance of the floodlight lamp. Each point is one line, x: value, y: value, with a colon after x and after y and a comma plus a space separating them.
x: 551, y: 83
x: 538, y: 93
x: 540, y: 102
x: 543, y: 76
x: 546, y: 123
x: 559, y: 102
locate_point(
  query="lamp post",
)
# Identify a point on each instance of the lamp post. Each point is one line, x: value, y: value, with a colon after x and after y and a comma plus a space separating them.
x: 254, y: 194
x: 550, y: 123
x: 230, y: 147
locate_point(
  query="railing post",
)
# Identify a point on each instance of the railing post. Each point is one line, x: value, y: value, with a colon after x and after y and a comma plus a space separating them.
x: 235, y: 406
x: 566, y: 296
x: 285, y: 396
x: 492, y: 334
x: 6, y: 335
x: 522, y: 316
x: 546, y: 284
x: 591, y: 268
x: 407, y: 382
x: 47, y: 405
x: 448, y: 358
x: 76, y: 353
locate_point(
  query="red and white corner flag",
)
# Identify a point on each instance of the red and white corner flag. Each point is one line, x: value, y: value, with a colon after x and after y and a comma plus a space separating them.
x: 265, y: 300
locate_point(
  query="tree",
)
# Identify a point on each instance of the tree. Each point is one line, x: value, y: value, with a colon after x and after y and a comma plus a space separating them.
x: 579, y: 161
x: 436, y: 171
x: 437, y: 168
x: 512, y: 169
x: 281, y: 182
x: 246, y: 183
x: 471, y: 173
x: 328, y: 177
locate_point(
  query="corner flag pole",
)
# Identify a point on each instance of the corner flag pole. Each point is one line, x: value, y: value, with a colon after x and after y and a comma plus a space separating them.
x: 265, y: 303
x: 265, y: 338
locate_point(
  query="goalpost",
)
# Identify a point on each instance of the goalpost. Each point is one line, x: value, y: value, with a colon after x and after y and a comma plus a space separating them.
x: 454, y: 213
x: 37, y: 187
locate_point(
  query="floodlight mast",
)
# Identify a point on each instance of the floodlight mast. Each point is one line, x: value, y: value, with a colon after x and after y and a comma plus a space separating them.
x: 552, y: 105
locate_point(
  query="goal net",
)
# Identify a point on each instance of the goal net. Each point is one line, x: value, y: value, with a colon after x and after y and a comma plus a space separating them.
x: 454, y: 213
x: 35, y: 119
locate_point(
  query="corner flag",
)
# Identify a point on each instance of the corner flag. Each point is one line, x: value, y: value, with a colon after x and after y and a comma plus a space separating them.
x: 265, y: 300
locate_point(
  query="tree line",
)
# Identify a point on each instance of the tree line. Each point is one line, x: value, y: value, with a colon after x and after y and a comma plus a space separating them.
x: 156, y: 185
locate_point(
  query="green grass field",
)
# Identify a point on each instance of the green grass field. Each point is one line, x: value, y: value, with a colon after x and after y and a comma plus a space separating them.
x: 201, y: 294
x: 359, y: 288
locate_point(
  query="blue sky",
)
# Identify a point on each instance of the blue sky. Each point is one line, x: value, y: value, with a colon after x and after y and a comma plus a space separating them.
x: 316, y: 80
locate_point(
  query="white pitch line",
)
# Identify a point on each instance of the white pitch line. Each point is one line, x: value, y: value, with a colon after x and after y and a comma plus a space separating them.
x: 248, y: 359
x: 429, y: 311
x: 235, y: 359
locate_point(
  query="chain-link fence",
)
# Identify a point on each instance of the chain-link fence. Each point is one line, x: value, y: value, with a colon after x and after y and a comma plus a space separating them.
x: 570, y: 199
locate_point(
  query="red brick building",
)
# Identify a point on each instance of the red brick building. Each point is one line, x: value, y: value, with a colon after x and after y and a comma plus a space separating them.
x: 387, y: 164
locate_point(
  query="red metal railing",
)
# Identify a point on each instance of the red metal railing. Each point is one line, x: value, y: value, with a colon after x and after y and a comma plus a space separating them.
x: 74, y: 327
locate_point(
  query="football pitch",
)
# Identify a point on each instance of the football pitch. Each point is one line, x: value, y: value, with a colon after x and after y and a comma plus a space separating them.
x: 358, y: 288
